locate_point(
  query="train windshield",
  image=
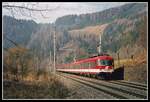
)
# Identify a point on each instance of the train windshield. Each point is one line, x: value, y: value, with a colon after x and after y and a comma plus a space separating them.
x: 106, y: 62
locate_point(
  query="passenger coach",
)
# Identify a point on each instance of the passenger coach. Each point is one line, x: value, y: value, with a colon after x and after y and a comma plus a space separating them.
x: 101, y: 66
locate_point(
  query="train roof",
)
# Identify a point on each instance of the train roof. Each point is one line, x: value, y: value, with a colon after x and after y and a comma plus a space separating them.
x: 91, y: 59
x: 94, y: 58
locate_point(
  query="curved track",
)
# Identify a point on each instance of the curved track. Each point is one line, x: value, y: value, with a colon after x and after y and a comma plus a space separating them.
x: 118, y: 89
x: 130, y: 84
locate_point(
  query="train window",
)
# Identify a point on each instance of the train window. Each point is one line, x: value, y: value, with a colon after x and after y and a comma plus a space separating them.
x: 70, y: 67
x: 92, y: 64
x: 83, y: 65
x: 86, y: 65
x: 89, y: 65
x: 105, y: 62
x: 76, y: 66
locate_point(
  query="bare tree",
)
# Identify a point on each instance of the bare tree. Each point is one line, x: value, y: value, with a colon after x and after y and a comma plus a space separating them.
x: 28, y: 9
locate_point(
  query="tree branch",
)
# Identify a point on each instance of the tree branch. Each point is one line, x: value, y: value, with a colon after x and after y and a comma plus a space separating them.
x: 27, y: 8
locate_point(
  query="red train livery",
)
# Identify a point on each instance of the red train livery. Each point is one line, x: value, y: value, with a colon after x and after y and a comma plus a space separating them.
x: 100, y: 66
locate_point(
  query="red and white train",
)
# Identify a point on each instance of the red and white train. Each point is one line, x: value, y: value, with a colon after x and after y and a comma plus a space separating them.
x: 101, y: 66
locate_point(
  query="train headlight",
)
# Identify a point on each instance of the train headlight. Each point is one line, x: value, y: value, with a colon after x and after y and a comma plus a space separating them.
x: 107, y: 67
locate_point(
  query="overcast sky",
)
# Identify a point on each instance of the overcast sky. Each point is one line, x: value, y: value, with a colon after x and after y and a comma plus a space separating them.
x: 58, y: 9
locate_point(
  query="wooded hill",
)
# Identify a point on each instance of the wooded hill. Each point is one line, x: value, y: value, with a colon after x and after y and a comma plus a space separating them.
x: 123, y: 29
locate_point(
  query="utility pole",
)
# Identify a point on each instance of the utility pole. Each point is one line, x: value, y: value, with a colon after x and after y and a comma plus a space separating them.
x: 99, y: 46
x: 50, y: 61
x: 74, y: 57
x: 54, y: 48
x: 118, y: 59
x: 50, y: 58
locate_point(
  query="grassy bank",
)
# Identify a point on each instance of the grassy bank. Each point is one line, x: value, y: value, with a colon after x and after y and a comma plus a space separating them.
x: 35, y: 89
x: 135, y: 70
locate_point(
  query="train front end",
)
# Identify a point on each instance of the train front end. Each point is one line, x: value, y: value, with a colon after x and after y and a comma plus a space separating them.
x: 105, y: 64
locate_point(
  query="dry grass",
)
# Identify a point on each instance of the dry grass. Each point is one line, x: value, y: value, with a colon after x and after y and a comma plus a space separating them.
x: 134, y: 69
x: 94, y: 30
x: 50, y: 88
x: 124, y: 62
x: 137, y: 73
x: 129, y: 62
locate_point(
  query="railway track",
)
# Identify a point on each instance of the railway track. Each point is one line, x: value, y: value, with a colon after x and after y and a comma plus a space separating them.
x: 130, y: 84
x: 118, y: 89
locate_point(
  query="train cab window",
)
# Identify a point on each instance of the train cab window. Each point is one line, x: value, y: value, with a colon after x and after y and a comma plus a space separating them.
x: 105, y: 62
